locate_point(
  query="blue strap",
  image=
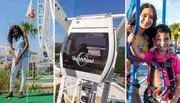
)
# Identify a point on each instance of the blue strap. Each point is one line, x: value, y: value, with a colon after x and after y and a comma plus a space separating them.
x: 163, y: 86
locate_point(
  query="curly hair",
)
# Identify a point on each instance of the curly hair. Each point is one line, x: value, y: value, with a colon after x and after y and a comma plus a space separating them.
x: 11, y: 35
x: 148, y: 31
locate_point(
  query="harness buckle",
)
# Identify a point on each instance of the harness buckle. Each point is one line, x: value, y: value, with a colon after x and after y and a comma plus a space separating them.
x: 136, y: 83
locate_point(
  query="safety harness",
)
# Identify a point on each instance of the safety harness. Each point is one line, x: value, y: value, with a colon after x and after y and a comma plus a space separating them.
x: 153, y: 91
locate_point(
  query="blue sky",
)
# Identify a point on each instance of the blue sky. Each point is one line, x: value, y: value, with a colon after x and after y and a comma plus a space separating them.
x: 75, y: 8
x: 14, y: 10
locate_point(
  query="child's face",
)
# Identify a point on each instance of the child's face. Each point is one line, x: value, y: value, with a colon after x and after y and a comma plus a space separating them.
x: 146, y: 18
x: 162, y: 41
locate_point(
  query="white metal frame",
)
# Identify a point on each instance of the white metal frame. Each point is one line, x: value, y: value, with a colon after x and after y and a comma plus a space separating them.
x: 101, y: 24
x: 62, y: 19
x: 46, y: 29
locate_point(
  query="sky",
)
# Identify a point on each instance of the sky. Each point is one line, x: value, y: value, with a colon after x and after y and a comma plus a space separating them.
x: 15, y: 12
x: 75, y: 8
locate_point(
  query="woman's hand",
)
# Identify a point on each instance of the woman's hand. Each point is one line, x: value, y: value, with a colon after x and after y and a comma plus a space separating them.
x: 19, y: 57
x: 129, y: 28
x: 131, y: 38
x: 16, y: 61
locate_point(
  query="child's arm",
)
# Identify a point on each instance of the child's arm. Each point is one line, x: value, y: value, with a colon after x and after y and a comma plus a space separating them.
x: 177, y: 89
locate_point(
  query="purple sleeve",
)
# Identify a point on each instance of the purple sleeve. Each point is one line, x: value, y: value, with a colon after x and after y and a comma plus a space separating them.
x: 147, y: 56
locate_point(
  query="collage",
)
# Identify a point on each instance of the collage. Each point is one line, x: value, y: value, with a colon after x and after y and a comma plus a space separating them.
x: 90, y: 51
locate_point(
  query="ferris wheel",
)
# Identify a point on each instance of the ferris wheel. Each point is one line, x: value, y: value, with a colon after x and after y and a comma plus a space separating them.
x: 46, y: 31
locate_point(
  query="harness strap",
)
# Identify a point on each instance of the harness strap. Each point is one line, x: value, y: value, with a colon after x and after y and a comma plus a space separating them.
x: 171, y: 89
x: 168, y: 66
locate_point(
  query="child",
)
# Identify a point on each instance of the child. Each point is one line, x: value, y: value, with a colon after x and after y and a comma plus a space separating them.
x: 161, y: 39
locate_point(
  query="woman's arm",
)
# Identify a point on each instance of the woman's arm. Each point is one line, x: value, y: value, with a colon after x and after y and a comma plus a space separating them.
x: 12, y: 50
x: 13, y: 53
x: 26, y: 45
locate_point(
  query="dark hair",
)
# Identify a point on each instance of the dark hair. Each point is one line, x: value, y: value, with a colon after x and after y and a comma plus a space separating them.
x: 10, y: 34
x: 148, y: 31
x: 161, y: 28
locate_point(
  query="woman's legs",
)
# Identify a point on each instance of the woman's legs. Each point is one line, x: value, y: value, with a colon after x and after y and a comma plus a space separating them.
x: 14, y: 70
x: 25, y: 67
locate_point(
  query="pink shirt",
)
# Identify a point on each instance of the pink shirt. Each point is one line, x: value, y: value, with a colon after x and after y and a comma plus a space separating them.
x: 175, y: 64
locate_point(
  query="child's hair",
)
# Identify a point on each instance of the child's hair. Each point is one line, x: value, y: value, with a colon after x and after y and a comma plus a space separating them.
x: 10, y: 34
x: 161, y: 28
x: 148, y: 31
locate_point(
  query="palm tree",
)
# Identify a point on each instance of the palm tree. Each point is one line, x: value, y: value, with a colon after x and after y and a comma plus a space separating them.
x: 175, y: 30
x: 28, y: 28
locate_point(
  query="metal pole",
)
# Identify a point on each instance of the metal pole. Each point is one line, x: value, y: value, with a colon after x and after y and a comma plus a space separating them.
x: 106, y: 88
x: 62, y: 85
x: 94, y: 92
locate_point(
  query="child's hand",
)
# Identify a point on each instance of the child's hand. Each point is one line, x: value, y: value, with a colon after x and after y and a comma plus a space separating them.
x: 131, y: 38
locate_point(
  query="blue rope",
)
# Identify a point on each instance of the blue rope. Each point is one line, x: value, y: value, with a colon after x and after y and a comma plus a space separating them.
x: 137, y: 71
x: 131, y: 62
x: 131, y: 81
x: 129, y: 13
x: 164, y: 12
x: 163, y: 22
x: 135, y: 32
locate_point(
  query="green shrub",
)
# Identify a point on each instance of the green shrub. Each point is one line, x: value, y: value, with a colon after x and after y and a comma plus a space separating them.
x: 120, y: 62
x: 5, y: 80
x: 35, y: 86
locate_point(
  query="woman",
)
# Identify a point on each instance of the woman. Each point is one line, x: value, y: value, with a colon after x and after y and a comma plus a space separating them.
x: 18, y: 42
x: 148, y: 18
